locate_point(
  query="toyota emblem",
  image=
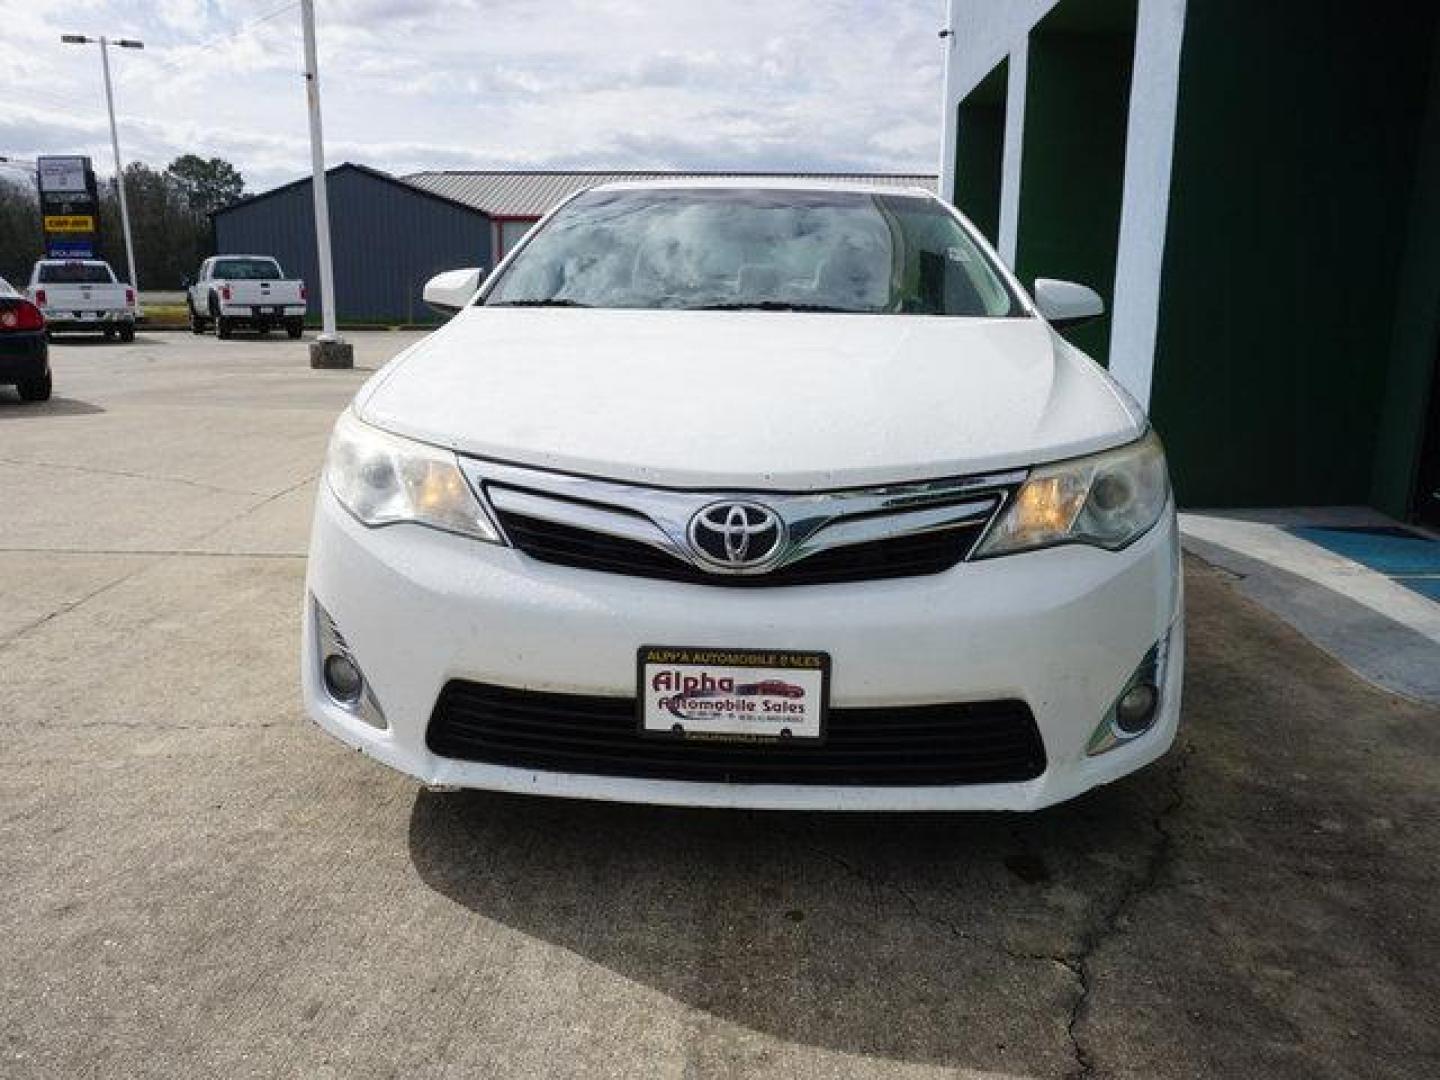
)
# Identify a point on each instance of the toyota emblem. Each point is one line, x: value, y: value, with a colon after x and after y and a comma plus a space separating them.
x: 736, y: 535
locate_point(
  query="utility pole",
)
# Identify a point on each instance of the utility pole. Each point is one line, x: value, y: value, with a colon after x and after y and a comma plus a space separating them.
x: 105, y: 43
x: 329, y: 350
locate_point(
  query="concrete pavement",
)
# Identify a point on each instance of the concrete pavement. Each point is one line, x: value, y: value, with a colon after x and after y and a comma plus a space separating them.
x: 194, y: 881
x: 1380, y: 628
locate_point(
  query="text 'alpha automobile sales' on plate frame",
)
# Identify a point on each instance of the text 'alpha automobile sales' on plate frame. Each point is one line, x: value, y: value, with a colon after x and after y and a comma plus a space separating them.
x: 732, y: 695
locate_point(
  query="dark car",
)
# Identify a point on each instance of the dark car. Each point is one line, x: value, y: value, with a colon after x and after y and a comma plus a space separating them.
x: 24, y: 353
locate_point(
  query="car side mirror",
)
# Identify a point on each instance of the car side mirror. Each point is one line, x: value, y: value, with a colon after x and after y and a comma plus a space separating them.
x: 185, y: 281
x: 1065, y: 304
x: 447, y: 293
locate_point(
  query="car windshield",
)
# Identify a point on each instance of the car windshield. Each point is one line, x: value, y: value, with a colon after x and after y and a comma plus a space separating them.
x: 246, y: 269
x: 75, y: 273
x: 6, y: 289
x: 779, y: 250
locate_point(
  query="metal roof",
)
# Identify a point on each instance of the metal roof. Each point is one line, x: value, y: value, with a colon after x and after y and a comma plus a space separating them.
x: 512, y: 193
x: 332, y: 172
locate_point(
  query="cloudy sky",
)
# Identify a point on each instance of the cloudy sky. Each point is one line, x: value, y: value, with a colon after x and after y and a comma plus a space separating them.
x: 433, y: 84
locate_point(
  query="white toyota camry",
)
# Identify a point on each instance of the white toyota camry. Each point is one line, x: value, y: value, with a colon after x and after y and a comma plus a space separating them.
x: 733, y: 495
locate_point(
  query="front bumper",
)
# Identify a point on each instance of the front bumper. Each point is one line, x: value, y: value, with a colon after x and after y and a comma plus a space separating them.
x: 1061, y: 629
x: 23, y: 356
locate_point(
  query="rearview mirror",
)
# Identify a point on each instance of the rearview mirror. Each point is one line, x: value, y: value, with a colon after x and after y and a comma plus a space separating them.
x: 447, y: 293
x: 1065, y: 304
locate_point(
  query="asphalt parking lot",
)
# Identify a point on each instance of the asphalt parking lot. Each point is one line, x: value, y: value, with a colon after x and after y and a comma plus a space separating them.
x: 194, y: 881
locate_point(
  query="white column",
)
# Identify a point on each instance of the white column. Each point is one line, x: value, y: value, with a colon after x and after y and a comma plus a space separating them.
x: 1149, y: 148
x: 1010, y: 163
x: 948, y: 119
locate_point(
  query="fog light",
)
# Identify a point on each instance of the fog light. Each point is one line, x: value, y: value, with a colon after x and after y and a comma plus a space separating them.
x: 342, y: 679
x: 337, y: 671
x: 1135, y: 711
x: 1138, y: 706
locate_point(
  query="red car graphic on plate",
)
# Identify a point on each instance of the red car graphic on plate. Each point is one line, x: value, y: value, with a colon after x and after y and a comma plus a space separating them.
x: 770, y: 688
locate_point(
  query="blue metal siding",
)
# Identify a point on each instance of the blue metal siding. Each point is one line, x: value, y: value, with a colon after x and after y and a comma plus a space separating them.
x: 387, y: 242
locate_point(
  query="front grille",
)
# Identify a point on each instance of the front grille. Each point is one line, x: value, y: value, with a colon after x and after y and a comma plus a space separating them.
x: 902, y: 746
x: 910, y: 555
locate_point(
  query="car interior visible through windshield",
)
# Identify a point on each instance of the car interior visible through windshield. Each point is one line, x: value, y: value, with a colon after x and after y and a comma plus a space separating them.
x: 246, y: 270
x: 794, y: 250
x: 75, y: 273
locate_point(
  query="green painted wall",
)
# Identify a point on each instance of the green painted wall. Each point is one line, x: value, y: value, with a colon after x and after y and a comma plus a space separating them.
x: 1294, y: 170
x: 1415, y: 339
x: 979, y: 150
x: 1077, y: 101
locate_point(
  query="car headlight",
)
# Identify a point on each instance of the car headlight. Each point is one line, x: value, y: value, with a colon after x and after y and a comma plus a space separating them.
x: 383, y: 479
x: 1107, y: 499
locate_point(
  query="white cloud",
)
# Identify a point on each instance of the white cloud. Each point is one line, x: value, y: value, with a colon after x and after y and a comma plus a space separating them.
x: 413, y: 84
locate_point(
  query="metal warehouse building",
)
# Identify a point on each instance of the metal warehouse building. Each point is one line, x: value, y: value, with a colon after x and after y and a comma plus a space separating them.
x: 1255, y: 189
x: 391, y: 234
x: 388, y: 237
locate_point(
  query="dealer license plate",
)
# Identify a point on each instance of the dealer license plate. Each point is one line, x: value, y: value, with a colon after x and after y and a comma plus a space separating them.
x: 733, y: 695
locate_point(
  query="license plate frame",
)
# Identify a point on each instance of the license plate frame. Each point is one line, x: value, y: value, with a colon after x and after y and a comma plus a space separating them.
x: 773, y: 696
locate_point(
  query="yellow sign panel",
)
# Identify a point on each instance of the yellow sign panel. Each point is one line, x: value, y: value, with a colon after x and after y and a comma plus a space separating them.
x: 76, y: 223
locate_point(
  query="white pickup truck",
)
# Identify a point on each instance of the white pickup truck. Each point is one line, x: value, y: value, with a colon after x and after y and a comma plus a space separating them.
x: 83, y: 294
x: 244, y: 290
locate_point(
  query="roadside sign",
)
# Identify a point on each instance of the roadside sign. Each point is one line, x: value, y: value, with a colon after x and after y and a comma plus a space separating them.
x: 69, y: 223
x: 70, y: 249
x: 69, y: 206
x: 64, y: 174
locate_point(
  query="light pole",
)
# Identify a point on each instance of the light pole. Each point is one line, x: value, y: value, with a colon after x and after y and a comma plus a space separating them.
x: 329, y: 350
x: 105, y: 43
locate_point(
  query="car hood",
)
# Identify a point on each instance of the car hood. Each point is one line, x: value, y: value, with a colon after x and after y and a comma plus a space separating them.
x: 764, y: 400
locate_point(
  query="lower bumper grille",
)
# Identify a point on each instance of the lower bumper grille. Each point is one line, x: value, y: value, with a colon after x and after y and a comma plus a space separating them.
x: 909, y: 746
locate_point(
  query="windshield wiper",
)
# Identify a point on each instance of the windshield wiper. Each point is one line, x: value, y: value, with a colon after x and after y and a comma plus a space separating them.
x: 554, y: 301
x: 770, y: 305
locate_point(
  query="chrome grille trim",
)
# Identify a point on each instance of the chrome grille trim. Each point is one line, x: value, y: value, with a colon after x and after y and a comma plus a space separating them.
x: 813, y: 521
x: 626, y: 525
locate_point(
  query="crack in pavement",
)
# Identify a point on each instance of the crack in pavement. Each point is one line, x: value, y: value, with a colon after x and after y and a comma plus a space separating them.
x: 1104, y: 927
x: 156, y: 728
x: 158, y: 553
x: 30, y: 627
x: 1092, y: 937
x: 885, y: 885
x: 1214, y: 567
x: 150, y: 558
x: 243, y: 514
x: 90, y: 469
